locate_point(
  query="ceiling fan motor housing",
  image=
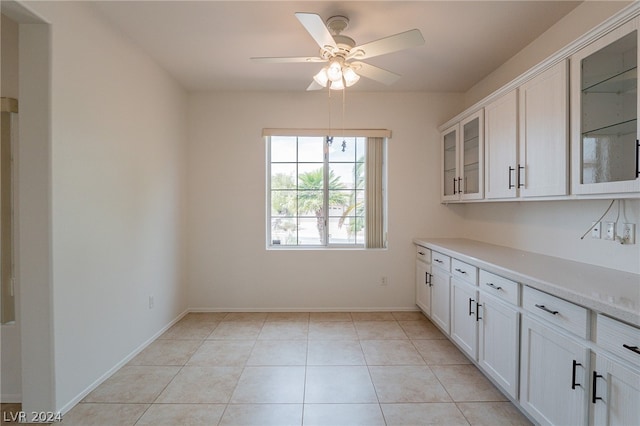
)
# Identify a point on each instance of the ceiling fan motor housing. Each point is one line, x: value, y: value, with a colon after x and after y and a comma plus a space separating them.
x: 337, y: 24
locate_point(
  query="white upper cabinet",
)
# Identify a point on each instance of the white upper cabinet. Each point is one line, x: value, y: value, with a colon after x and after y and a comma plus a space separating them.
x: 501, y: 141
x: 543, y: 165
x: 604, y: 99
x: 471, y: 185
x: 462, y: 160
x: 450, y: 145
x: 565, y: 129
x: 526, y: 143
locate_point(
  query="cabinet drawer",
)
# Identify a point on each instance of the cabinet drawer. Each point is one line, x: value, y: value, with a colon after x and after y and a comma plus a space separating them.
x: 423, y: 254
x: 441, y: 261
x: 465, y: 271
x: 618, y: 338
x: 503, y: 288
x: 567, y: 315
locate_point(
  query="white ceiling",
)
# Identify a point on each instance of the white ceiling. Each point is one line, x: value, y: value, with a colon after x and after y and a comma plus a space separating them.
x: 206, y: 45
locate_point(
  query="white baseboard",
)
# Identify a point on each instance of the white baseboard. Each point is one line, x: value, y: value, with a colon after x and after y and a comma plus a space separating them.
x: 359, y: 309
x: 69, y: 405
x: 11, y: 398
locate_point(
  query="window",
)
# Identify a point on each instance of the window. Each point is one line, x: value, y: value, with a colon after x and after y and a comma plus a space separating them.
x: 319, y: 191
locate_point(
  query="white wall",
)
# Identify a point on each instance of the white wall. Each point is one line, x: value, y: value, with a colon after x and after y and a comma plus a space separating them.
x: 117, y: 198
x: 554, y: 228
x: 10, y: 367
x: 576, y: 23
x: 9, y: 58
x: 229, y: 266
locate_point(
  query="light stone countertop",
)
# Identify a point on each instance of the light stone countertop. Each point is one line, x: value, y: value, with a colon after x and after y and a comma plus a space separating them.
x: 608, y: 291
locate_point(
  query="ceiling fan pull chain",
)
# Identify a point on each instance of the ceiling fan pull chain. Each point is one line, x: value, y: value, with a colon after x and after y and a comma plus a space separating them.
x: 344, y: 142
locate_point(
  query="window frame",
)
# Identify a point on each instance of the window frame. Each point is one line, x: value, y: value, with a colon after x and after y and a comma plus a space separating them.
x: 326, y: 162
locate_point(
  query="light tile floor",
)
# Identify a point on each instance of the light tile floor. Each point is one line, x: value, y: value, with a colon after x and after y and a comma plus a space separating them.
x: 338, y: 368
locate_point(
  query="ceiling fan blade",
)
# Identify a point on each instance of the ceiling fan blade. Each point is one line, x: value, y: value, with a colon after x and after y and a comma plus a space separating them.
x: 375, y: 73
x: 316, y: 27
x: 287, y: 59
x: 405, y: 40
x: 314, y: 86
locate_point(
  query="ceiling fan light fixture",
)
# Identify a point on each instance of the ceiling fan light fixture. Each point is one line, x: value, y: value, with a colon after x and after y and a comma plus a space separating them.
x: 322, y: 78
x: 350, y: 76
x: 337, y: 85
x: 334, y: 71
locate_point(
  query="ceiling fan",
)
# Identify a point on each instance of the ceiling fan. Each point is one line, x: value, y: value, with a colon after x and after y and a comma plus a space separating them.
x: 343, y: 55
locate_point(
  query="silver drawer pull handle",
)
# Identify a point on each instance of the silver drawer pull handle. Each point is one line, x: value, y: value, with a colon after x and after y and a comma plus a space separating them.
x: 493, y: 286
x: 461, y: 271
x: 544, y: 308
x: 632, y: 348
x: 421, y: 253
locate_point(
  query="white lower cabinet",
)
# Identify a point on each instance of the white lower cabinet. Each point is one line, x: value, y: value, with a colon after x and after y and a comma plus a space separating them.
x: 615, y: 393
x: 615, y: 379
x: 464, y: 316
x: 440, y: 282
x: 487, y: 327
x: 423, y: 286
x: 498, y: 342
x: 554, y: 377
x: 541, y: 350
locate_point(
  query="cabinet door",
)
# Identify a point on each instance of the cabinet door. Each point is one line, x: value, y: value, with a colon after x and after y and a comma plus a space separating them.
x: 440, y: 281
x: 464, y: 314
x: 543, y: 165
x: 498, y: 342
x: 501, y: 138
x: 423, y: 289
x: 471, y: 162
x: 616, y: 393
x: 450, y: 145
x: 553, y: 375
x: 604, y: 114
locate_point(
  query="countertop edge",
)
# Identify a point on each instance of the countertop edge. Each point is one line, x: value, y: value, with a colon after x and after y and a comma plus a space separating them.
x: 455, y: 247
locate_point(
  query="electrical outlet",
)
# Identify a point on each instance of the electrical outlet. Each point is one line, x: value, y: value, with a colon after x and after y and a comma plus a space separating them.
x: 628, y: 233
x: 595, y: 231
x: 384, y: 281
x: 151, y: 302
x: 610, y: 231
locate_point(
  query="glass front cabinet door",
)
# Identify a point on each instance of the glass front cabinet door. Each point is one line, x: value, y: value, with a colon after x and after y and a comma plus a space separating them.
x: 604, y: 99
x: 450, y: 146
x: 462, y: 160
x: 471, y: 157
